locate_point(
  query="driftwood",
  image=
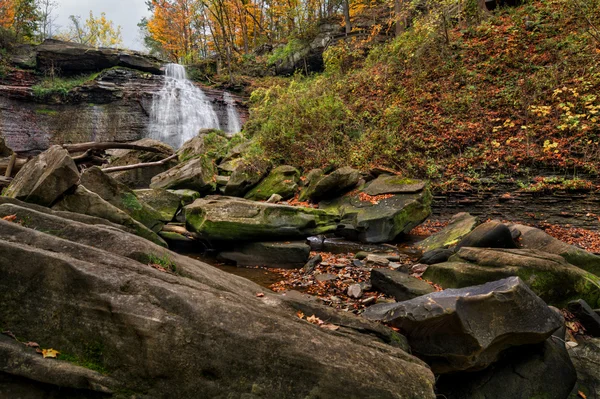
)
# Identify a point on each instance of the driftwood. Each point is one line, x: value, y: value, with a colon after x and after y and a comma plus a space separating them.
x: 138, y: 165
x: 5, y: 163
x: 82, y: 147
x: 11, y: 165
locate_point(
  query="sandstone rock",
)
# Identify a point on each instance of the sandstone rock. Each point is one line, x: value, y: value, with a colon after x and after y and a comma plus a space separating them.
x: 121, y: 196
x: 186, y: 196
x: 532, y: 238
x: 228, y: 218
x: 549, y: 276
x: 355, y: 291
x: 210, y: 143
x: 45, y: 178
x: 164, y: 202
x: 372, y: 260
x: 285, y: 255
x: 114, y: 313
x: 468, y: 328
x: 459, y: 226
x: 282, y: 181
x: 399, y: 285
x: 328, y: 187
x: 394, y: 185
x: 586, y: 358
x: 275, y: 198
x: 488, y: 235
x: 244, y: 176
x: 382, y: 221
x: 88, y: 203
x: 142, y: 177
x: 196, y: 174
x: 434, y: 256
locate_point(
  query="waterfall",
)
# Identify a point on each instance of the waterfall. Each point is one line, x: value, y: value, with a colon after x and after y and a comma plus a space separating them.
x: 180, y: 109
x: 234, y: 124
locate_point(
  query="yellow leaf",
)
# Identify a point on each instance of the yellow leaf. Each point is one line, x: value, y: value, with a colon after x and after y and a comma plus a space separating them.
x: 300, y: 314
x: 314, y: 320
x: 50, y: 353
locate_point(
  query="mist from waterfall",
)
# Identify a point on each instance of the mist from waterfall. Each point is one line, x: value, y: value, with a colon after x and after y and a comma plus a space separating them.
x: 180, y: 109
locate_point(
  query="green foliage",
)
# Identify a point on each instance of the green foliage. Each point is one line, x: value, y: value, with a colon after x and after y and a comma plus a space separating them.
x: 164, y: 262
x: 283, y: 52
x: 48, y: 112
x: 60, y: 87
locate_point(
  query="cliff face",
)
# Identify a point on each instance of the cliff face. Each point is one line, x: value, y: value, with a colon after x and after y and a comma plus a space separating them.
x: 113, y: 105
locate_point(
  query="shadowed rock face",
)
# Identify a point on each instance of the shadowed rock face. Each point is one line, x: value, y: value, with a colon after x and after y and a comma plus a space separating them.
x: 197, y: 332
x: 466, y: 329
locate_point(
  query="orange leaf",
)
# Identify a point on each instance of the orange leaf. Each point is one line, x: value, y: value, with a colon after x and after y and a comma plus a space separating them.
x: 300, y: 314
x: 50, y: 353
x: 582, y: 394
x: 260, y: 295
x: 10, y: 218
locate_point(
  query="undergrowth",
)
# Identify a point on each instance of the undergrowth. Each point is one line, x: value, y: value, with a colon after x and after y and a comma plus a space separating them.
x: 60, y: 86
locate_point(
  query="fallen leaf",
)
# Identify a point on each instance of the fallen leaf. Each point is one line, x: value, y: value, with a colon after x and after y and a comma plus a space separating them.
x: 314, y: 320
x: 38, y: 350
x: 50, y: 353
x: 331, y: 327
x: 10, y: 218
x: 10, y: 334
x: 260, y: 295
x: 581, y: 394
x: 32, y: 344
x: 300, y: 314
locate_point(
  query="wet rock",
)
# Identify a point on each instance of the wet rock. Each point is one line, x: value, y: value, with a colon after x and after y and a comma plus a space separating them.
x: 114, y: 303
x: 381, y: 221
x: 483, y: 321
x: 373, y: 260
x: 141, y: 177
x: 532, y: 238
x: 122, y: 197
x: 166, y: 203
x: 88, y: 203
x: 549, y: 276
x: 355, y: 291
x: 586, y: 358
x: 488, y: 235
x: 399, y: 285
x: 530, y: 371
x: 282, y: 181
x: 586, y: 315
x: 228, y: 218
x: 312, y: 263
x: 196, y: 174
x: 434, y: 256
x: 244, y: 176
x: 459, y: 226
x: 285, y: 255
x: 45, y: 178
x: 332, y: 185
x: 394, y: 185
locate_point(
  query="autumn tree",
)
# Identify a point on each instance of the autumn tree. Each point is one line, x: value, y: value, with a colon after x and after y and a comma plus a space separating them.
x: 7, y: 13
x: 96, y: 32
x: 47, y: 18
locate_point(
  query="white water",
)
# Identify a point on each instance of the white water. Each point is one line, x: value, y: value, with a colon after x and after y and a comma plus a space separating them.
x: 180, y: 109
x: 233, y: 118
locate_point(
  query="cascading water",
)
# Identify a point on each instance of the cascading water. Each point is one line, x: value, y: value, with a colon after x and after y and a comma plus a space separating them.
x: 233, y: 118
x: 180, y: 109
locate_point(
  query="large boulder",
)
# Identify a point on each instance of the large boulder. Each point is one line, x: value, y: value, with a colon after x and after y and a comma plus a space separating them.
x: 245, y: 175
x: 531, y: 371
x: 491, y: 234
x: 399, y: 285
x: 386, y: 184
x: 196, y: 174
x: 282, y: 180
x: 194, y: 331
x: 89, y: 203
x: 210, y: 143
x: 549, y: 276
x: 533, y: 238
x: 284, y: 255
x: 45, y: 178
x: 141, y: 177
x: 75, y: 59
x: 122, y: 197
x: 166, y: 203
x: 336, y: 183
x: 468, y: 328
x: 459, y: 226
x: 382, y: 220
x: 227, y: 218
x: 586, y: 358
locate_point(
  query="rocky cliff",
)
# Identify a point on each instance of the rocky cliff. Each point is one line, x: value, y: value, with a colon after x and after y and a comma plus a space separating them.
x: 63, y: 93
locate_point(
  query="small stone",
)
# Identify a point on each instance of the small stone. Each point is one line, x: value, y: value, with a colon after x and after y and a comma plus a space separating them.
x: 366, y: 286
x: 361, y: 255
x: 395, y: 265
x: 325, y: 277
x: 357, y: 263
x: 369, y: 300
x: 419, y: 268
x: 274, y: 199
x: 377, y: 260
x: 355, y: 291
x: 325, y: 264
x: 339, y: 265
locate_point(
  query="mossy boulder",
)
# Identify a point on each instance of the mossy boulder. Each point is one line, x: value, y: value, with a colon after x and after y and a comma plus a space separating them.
x: 164, y: 202
x: 211, y: 143
x: 245, y: 175
x: 282, y: 180
x: 141, y: 177
x: 88, y: 203
x: 45, y: 178
x: 231, y: 219
x: 381, y: 220
x: 196, y: 174
x: 548, y: 275
x: 386, y: 184
x: 121, y: 196
x: 327, y: 187
x: 459, y: 226
x: 186, y: 196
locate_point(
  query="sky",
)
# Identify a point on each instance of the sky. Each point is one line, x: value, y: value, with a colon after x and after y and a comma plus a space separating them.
x: 126, y: 13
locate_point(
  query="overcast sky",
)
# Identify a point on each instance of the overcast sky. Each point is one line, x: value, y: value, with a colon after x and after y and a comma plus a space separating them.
x: 126, y: 13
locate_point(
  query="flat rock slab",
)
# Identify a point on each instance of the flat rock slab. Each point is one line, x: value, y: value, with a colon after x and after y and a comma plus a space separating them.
x: 467, y: 329
x: 459, y: 226
x: 394, y: 185
x: 549, y: 276
x: 228, y: 218
x: 399, y: 285
x: 194, y: 174
x: 285, y: 255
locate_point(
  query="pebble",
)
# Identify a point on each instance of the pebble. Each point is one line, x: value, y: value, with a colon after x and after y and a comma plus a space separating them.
x: 355, y: 291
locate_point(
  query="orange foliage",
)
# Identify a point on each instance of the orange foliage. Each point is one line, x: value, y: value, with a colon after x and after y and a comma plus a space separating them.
x: 7, y: 13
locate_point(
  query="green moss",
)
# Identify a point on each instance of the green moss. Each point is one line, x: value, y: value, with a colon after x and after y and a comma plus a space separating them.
x: 61, y: 87
x: 164, y: 261
x: 131, y: 201
x: 92, y: 358
x: 48, y: 112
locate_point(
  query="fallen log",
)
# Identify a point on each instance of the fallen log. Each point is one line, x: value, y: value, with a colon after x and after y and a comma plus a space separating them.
x: 171, y: 228
x: 82, y: 147
x: 138, y: 165
x: 11, y: 165
x: 5, y: 163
